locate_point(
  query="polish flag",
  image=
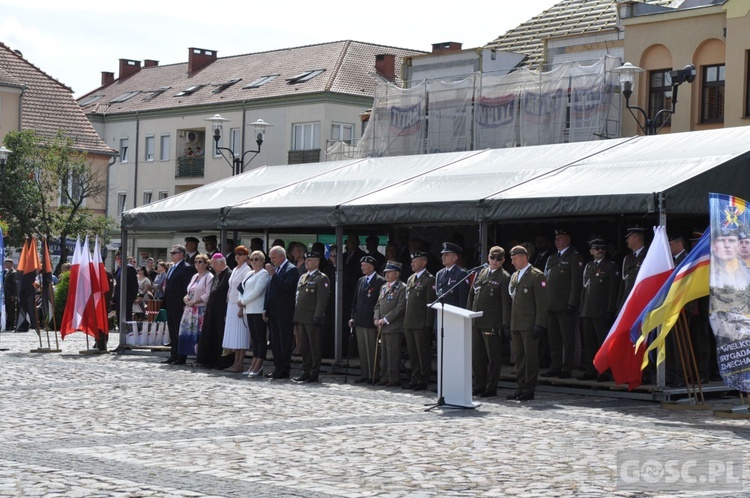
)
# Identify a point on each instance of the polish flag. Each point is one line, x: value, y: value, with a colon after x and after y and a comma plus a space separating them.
x: 102, y: 283
x: 619, y: 352
x: 66, y: 325
x: 84, y: 313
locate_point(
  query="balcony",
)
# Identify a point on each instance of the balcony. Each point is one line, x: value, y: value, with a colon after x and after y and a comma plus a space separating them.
x: 189, y: 167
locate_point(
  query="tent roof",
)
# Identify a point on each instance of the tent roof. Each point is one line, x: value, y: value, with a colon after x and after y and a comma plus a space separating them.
x: 619, y: 176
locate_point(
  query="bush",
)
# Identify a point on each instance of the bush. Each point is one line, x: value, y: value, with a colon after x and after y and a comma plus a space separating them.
x: 61, y: 296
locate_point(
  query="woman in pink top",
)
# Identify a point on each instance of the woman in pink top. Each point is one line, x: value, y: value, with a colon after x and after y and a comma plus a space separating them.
x: 195, y: 307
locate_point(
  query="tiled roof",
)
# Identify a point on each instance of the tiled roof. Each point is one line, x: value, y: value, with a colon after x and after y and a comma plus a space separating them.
x: 348, y: 68
x: 568, y: 17
x: 48, y: 106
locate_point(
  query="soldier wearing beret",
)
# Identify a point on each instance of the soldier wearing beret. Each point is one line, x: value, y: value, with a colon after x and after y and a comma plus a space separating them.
x: 313, y: 289
x: 489, y: 294
x: 601, y: 281
x: 191, y: 250
x: 389, y: 318
x: 363, y: 312
x: 450, y: 275
x: 528, y: 321
x: 419, y: 321
x: 631, y: 265
x: 564, y: 271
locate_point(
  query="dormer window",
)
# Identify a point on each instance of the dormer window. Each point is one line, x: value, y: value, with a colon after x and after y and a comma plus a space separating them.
x: 260, y: 81
x: 155, y: 93
x: 90, y: 100
x: 189, y: 91
x: 220, y: 87
x: 124, y: 97
x: 306, y: 76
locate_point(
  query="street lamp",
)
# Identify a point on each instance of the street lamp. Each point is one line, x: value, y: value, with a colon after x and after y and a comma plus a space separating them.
x: 627, y: 74
x: 238, y: 162
x: 4, y: 157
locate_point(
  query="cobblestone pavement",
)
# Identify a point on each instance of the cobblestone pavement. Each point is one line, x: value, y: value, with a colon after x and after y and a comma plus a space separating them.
x: 126, y: 425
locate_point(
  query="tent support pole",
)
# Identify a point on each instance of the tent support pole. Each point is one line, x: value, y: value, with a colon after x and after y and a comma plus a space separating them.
x: 123, y: 283
x: 661, y: 370
x: 339, y: 295
x: 484, y: 228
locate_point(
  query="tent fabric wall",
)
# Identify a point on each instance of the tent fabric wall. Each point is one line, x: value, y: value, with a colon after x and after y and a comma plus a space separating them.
x: 605, y: 177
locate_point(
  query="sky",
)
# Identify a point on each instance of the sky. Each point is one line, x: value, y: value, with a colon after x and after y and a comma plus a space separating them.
x: 75, y: 40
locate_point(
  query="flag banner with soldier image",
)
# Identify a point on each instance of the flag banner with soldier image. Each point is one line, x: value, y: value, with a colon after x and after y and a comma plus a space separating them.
x: 3, y: 316
x: 729, y: 282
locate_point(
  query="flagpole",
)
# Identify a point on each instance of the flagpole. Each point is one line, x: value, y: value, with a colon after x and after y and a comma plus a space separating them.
x: 693, y: 362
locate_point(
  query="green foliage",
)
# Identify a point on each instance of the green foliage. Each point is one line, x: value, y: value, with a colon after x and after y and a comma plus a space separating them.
x: 61, y: 296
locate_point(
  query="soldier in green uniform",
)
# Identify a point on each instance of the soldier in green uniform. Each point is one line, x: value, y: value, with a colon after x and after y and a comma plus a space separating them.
x: 489, y: 294
x: 419, y: 321
x: 313, y: 289
x: 563, y: 272
x: 528, y: 321
x: 389, y: 318
x: 631, y: 265
x: 601, y: 281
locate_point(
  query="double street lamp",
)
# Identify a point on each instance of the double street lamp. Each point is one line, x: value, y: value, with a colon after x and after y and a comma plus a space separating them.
x: 627, y: 74
x: 237, y: 162
x: 4, y: 153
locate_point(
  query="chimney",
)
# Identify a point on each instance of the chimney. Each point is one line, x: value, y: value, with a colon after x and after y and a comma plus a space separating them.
x: 107, y: 78
x: 128, y: 68
x: 439, y: 48
x: 150, y: 63
x: 199, y: 57
x: 385, y: 65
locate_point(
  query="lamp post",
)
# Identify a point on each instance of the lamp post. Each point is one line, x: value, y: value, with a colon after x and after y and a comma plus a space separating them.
x: 627, y: 74
x: 4, y: 158
x: 238, y: 162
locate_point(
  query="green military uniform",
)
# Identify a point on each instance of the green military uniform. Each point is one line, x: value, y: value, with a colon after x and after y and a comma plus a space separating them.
x: 489, y: 294
x: 419, y: 321
x: 313, y: 289
x: 601, y: 281
x: 529, y: 309
x: 391, y: 306
x: 631, y: 265
x: 563, y: 273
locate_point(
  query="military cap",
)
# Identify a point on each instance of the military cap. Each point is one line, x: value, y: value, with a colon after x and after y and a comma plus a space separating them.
x: 8, y: 260
x: 722, y: 231
x: 209, y: 238
x: 597, y: 243
x: 369, y: 260
x: 518, y: 250
x: 191, y: 239
x: 635, y: 229
x: 373, y: 238
x: 451, y: 247
x: 562, y: 231
x: 696, y: 235
x: 420, y: 254
x: 313, y: 254
x: 497, y: 251
x: 392, y: 266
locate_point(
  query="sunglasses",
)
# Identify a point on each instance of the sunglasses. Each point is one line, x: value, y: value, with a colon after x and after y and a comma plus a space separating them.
x: 201, y: 262
x: 255, y: 259
x: 175, y: 252
x: 496, y: 258
x: 240, y: 254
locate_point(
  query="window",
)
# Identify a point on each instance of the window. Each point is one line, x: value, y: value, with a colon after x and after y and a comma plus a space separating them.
x: 164, y: 147
x: 189, y: 90
x: 147, y: 194
x: 121, y: 200
x: 90, y: 100
x: 306, y: 136
x: 220, y: 87
x: 342, y: 132
x: 712, y: 96
x: 260, y: 81
x: 306, y: 76
x: 155, y: 93
x: 150, y: 145
x: 163, y: 194
x: 235, y: 141
x: 660, y: 95
x: 124, y: 150
x: 124, y: 97
x: 70, y: 188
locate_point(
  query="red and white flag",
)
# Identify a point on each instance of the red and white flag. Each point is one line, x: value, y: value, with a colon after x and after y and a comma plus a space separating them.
x: 102, y: 284
x: 618, y: 352
x: 66, y: 325
x: 84, y: 313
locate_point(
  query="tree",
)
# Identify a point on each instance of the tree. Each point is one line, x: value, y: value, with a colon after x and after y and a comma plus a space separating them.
x: 45, y: 189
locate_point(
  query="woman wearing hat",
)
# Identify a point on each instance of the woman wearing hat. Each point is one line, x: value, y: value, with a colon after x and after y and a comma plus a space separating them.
x: 236, y: 333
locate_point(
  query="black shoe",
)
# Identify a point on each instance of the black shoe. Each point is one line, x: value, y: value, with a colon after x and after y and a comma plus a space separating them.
x: 169, y: 360
x: 181, y: 361
x: 513, y: 397
x: 525, y: 397
x: 419, y: 387
x: 277, y: 376
x: 487, y: 394
x: 715, y: 378
x: 477, y: 392
x: 588, y: 376
x: 408, y: 386
x: 270, y: 375
x: 564, y: 375
x: 361, y: 380
x: 676, y: 383
x: 551, y: 373
x: 703, y: 380
x: 311, y: 379
x: 301, y: 378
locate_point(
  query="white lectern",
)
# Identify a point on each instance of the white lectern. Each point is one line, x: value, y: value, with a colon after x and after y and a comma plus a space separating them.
x: 454, y: 362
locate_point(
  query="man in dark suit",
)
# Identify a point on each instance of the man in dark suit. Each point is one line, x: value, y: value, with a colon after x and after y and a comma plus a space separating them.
x: 631, y: 265
x: 131, y: 276
x: 210, y: 243
x: 489, y: 294
x: 178, y: 279
x: 191, y: 250
x: 528, y: 321
x: 564, y: 272
x: 363, y: 305
x: 279, y: 310
x: 601, y: 282
x: 419, y: 321
x: 450, y: 275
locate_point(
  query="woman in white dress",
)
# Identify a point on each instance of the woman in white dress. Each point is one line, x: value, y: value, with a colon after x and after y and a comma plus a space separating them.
x: 236, y: 333
x: 252, y: 303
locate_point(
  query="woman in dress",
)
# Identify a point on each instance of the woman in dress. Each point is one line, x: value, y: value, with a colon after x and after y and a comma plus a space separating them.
x: 236, y: 333
x: 252, y: 302
x: 144, y: 292
x: 157, y: 285
x: 212, y: 333
x: 195, y: 307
